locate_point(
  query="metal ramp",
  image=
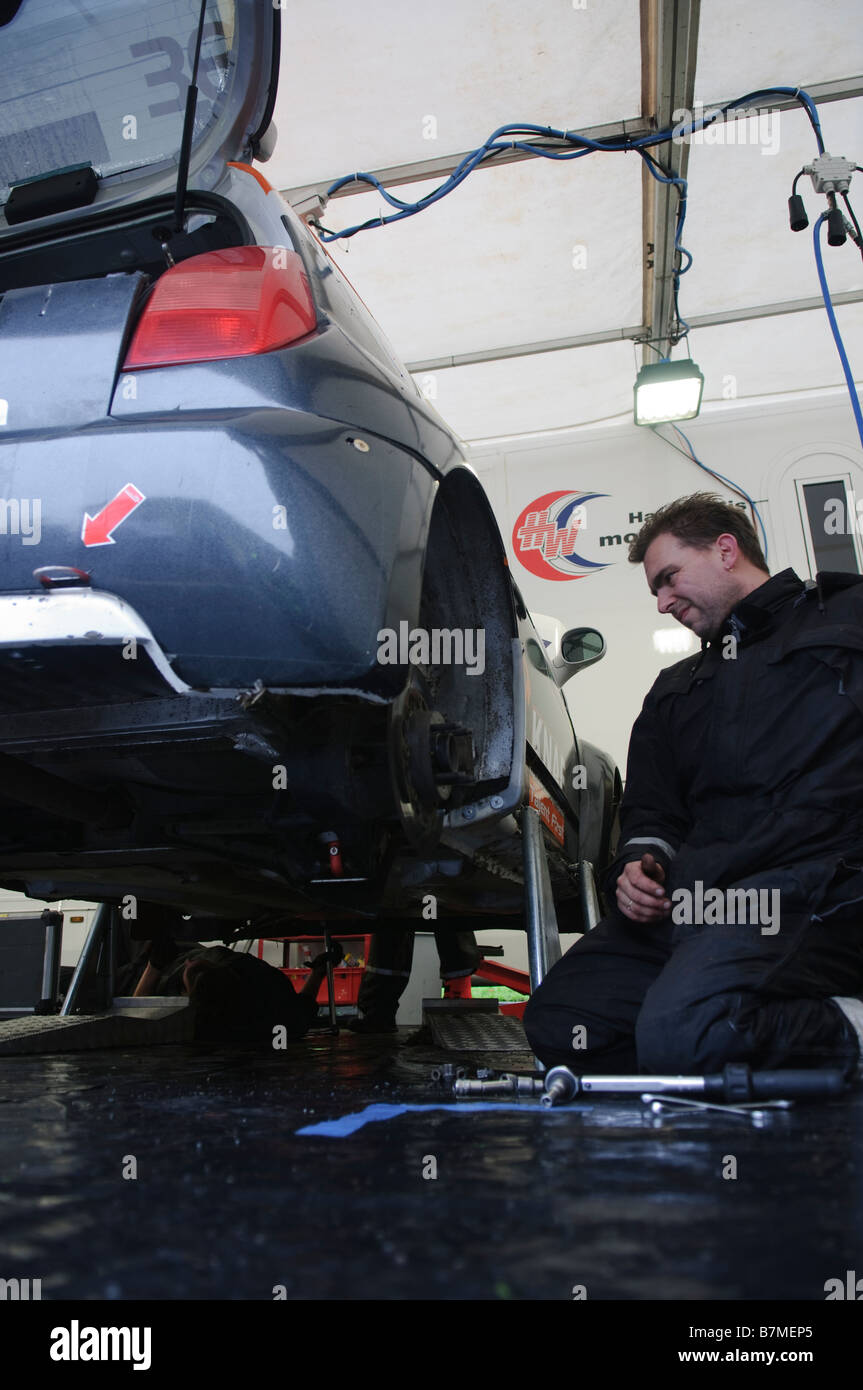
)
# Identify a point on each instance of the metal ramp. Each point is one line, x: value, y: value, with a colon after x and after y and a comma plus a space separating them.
x: 90, y: 1016
x: 472, y: 1025
x: 167, y: 1020
x: 476, y: 1025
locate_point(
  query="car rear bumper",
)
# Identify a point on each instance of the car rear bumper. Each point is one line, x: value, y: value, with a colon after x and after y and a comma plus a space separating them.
x: 267, y: 547
x: 77, y: 647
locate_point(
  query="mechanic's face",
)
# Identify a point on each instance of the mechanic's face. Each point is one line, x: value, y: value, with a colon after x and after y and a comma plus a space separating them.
x: 695, y: 586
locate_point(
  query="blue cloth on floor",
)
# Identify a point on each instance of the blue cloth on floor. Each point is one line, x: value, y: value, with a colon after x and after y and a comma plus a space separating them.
x: 349, y: 1124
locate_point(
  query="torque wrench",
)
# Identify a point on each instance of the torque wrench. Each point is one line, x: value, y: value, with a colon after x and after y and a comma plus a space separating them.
x: 736, y: 1083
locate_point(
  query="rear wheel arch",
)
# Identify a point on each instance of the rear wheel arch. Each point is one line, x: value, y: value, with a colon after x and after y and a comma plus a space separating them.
x: 466, y: 586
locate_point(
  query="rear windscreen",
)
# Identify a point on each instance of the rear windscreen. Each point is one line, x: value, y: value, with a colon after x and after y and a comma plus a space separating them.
x: 104, y: 82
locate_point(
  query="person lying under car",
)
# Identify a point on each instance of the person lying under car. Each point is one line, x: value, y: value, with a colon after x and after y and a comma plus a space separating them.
x: 236, y: 998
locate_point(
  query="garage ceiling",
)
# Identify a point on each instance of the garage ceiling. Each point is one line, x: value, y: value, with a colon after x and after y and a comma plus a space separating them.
x: 519, y: 300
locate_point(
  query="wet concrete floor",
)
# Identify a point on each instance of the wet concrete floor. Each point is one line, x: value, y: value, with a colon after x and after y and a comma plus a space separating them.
x: 229, y: 1202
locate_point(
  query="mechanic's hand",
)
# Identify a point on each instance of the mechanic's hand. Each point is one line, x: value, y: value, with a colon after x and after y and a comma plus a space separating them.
x: 638, y: 895
x: 335, y: 955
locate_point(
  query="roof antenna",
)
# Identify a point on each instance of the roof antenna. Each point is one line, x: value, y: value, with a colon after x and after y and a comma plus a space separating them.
x: 188, y: 127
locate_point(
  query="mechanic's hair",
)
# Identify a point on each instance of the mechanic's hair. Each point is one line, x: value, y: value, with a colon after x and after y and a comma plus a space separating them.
x: 697, y: 520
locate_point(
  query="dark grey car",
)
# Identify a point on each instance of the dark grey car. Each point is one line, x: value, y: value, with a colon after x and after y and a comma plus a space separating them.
x: 260, y: 652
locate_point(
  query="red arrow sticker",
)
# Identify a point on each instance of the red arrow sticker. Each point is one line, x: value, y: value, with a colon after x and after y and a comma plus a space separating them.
x: 96, y: 530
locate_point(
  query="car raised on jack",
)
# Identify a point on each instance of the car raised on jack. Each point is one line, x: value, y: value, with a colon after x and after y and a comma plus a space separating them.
x: 261, y: 656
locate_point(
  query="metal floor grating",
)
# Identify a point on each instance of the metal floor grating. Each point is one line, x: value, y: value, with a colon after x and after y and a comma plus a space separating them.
x: 477, y: 1032
x: 83, y: 1032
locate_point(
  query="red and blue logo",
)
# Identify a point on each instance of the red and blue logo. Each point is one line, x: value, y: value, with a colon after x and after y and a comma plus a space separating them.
x: 546, y: 533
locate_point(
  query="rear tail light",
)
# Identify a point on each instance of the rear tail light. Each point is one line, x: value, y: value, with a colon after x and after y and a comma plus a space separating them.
x: 231, y: 303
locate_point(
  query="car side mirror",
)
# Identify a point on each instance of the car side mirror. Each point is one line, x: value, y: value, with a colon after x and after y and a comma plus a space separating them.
x: 579, y: 647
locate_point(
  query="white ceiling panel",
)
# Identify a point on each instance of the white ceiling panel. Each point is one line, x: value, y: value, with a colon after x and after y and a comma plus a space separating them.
x: 755, y: 359
x: 538, y: 251
x: 746, y: 44
x: 359, y: 80
x: 551, y: 390
x: 737, y: 219
x: 763, y: 357
x: 514, y: 255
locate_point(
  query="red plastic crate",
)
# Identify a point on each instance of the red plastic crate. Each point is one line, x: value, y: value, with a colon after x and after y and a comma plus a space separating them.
x: 346, y: 978
x: 346, y: 983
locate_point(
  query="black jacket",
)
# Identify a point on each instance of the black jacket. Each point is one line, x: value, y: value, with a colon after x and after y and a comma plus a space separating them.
x: 745, y: 765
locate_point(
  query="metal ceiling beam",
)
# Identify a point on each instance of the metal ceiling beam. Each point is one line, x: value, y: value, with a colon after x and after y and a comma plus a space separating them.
x: 443, y: 165
x: 468, y: 359
x: 766, y: 311
x: 669, y: 36
x: 843, y: 89
x: 669, y: 49
x: 615, y: 335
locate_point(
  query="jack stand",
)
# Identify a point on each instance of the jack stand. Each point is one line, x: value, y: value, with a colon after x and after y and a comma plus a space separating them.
x: 95, y: 967
x: 543, y: 937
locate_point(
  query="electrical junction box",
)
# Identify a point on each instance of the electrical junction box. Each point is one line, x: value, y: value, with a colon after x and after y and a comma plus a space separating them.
x: 830, y: 173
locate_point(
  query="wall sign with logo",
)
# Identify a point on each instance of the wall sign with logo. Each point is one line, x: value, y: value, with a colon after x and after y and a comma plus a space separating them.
x: 552, y: 534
